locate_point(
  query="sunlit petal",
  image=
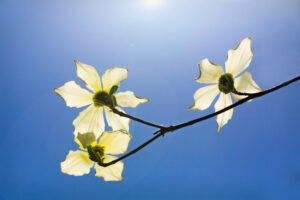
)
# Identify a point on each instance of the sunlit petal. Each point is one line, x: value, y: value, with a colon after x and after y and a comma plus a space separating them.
x: 74, y: 95
x: 113, y: 77
x: 239, y: 58
x: 204, y: 96
x: 77, y: 163
x: 223, y: 101
x: 90, y: 120
x: 89, y: 75
x: 209, y: 72
x: 115, y: 121
x: 245, y: 84
x: 115, y: 142
x: 128, y: 99
x: 112, y: 172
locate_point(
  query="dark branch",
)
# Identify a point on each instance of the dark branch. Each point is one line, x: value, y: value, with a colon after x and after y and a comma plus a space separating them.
x: 135, y: 118
x: 241, y: 93
x: 250, y: 96
x: 135, y: 150
x: 163, y: 130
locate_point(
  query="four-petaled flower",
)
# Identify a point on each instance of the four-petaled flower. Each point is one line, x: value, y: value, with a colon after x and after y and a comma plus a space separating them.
x: 91, y: 119
x: 79, y: 162
x: 237, y: 61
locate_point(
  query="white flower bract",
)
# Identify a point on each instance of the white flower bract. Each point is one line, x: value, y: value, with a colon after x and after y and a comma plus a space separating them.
x: 91, y: 119
x: 237, y: 61
x: 78, y: 163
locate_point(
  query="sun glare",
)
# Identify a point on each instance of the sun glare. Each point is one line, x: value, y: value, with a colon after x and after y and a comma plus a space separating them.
x: 152, y: 3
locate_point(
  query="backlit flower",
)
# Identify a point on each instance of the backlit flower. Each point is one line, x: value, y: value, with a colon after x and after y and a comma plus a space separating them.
x: 91, y: 119
x: 79, y: 162
x: 226, y: 83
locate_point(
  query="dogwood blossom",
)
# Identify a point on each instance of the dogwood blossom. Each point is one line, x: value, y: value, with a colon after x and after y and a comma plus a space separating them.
x: 79, y: 162
x: 91, y: 119
x: 225, y: 83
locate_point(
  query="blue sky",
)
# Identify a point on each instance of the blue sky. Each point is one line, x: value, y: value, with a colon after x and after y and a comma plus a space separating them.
x: 255, y: 156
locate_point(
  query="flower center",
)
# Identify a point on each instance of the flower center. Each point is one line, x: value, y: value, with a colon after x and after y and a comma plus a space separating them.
x: 226, y: 83
x: 104, y: 99
x: 96, y: 153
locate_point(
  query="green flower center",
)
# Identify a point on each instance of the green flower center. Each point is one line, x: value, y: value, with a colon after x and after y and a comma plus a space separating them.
x: 106, y: 99
x: 226, y: 83
x: 96, y: 153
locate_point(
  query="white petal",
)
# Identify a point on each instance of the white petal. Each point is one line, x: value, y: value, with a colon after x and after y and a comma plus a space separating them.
x: 113, y: 77
x: 112, y: 172
x: 209, y: 72
x: 204, y: 96
x: 90, y: 120
x: 115, y: 121
x: 223, y: 101
x: 239, y: 58
x: 85, y: 139
x: 115, y: 142
x: 77, y: 163
x: 74, y: 95
x: 89, y: 75
x: 246, y: 84
x: 81, y: 146
x: 128, y: 99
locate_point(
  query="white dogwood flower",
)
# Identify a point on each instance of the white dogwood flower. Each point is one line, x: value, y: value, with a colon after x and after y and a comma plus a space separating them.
x: 226, y: 83
x: 91, y: 119
x: 79, y: 162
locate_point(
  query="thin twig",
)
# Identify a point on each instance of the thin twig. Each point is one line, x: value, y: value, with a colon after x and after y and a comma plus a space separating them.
x: 135, y: 118
x: 162, y: 131
x: 241, y: 93
x: 135, y: 150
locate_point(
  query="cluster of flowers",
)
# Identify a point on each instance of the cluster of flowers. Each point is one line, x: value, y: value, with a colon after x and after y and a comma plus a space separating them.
x: 97, y: 145
x: 89, y: 126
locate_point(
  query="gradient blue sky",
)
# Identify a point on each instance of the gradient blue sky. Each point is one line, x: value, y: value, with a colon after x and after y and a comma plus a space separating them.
x: 255, y: 156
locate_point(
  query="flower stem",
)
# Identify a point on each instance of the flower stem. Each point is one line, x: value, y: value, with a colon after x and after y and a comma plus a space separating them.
x: 241, y: 93
x: 163, y: 130
x: 135, y: 118
x: 133, y: 151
